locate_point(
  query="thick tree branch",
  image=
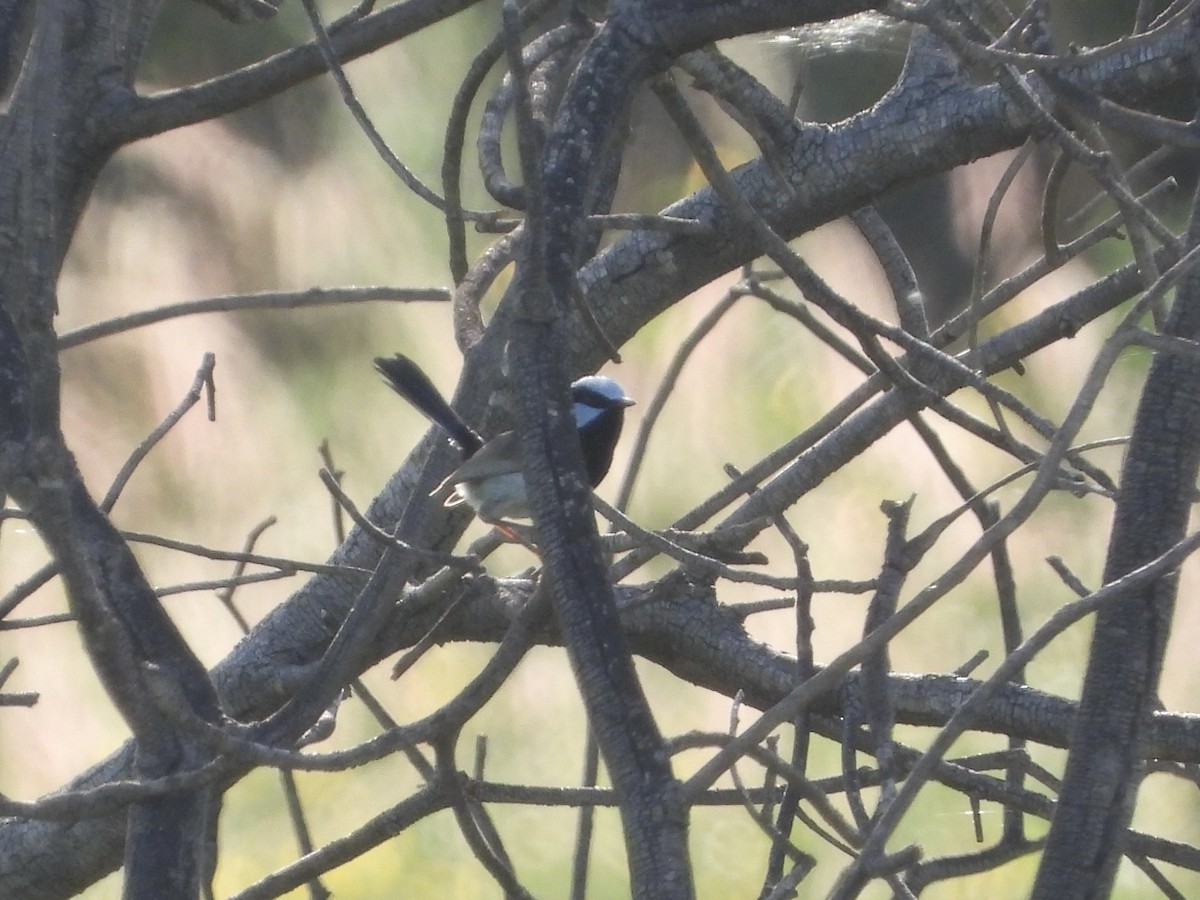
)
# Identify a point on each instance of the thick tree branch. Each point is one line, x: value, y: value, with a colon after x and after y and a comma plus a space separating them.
x: 1104, y: 768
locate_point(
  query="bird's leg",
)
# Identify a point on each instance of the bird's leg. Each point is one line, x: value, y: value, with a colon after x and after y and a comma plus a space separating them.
x: 513, y: 531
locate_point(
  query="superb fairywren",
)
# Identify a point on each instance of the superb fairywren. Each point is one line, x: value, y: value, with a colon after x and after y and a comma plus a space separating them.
x: 490, y: 481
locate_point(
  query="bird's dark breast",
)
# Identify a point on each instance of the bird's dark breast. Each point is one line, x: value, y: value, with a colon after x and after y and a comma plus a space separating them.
x: 599, y: 439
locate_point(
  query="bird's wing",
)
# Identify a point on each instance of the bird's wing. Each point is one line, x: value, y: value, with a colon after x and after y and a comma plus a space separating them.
x: 499, y: 456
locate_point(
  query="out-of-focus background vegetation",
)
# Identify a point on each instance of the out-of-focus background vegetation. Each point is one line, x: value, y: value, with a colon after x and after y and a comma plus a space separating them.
x: 289, y: 195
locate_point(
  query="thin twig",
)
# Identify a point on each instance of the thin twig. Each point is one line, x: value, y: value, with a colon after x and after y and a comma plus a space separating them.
x: 239, y: 302
x: 204, y: 379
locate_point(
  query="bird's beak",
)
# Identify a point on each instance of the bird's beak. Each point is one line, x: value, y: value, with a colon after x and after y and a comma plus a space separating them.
x: 628, y: 401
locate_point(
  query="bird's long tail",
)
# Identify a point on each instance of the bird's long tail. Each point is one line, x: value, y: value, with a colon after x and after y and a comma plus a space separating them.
x: 406, y: 378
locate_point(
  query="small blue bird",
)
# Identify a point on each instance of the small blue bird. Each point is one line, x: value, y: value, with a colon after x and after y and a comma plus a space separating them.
x: 490, y: 481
